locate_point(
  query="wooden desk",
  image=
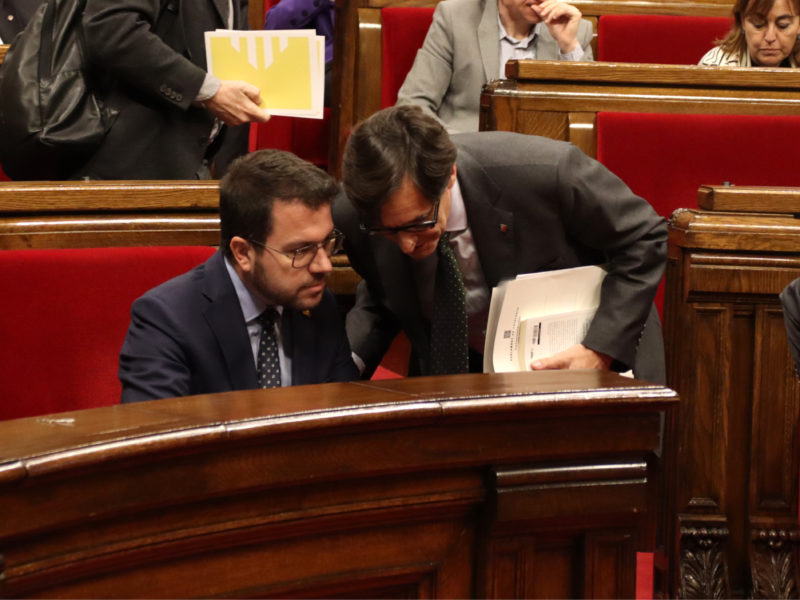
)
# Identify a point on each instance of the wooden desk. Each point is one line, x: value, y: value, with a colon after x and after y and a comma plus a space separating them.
x: 561, y: 100
x: 357, y: 51
x: 728, y: 358
x: 77, y: 214
x: 514, y: 485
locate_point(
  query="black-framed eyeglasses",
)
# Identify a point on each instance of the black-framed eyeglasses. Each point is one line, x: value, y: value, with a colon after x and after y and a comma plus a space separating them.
x: 304, y: 255
x: 417, y: 227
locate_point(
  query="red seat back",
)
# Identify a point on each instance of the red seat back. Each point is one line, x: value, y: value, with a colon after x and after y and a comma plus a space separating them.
x: 672, y: 40
x: 665, y: 157
x: 307, y: 138
x: 403, y: 29
x: 64, y: 317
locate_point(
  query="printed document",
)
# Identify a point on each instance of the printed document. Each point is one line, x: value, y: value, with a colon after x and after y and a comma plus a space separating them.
x: 287, y: 66
x: 539, y: 314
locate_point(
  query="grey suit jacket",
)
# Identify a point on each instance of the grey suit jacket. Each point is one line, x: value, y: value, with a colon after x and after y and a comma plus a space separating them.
x: 153, y: 55
x: 533, y: 204
x: 460, y: 54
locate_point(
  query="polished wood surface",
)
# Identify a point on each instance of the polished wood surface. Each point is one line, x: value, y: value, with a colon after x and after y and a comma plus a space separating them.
x: 515, y: 485
x: 561, y: 100
x: 94, y: 214
x: 728, y: 358
x: 749, y: 199
x: 357, y: 52
x: 3, y: 50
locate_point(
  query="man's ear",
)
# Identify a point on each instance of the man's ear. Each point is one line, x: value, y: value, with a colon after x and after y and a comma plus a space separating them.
x: 452, y: 181
x: 243, y: 254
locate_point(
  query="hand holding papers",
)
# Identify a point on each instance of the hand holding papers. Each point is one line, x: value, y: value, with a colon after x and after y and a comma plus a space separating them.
x: 288, y: 67
x: 539, y: 314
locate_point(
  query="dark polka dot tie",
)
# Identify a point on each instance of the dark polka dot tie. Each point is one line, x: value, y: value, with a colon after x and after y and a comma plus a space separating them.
x: 269, y: 365
x: 449, y: 315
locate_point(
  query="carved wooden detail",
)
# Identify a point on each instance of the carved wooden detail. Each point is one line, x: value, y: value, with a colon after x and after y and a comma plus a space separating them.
x: 774, y: 563
x: 703, y: 568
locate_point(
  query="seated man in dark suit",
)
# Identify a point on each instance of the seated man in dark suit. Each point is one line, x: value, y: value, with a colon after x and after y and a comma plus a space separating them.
x: 257, y: 313
x: 508, y: 204
x: 790, y: 301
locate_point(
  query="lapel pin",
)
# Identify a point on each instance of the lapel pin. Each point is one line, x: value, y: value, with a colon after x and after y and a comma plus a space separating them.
x: 503, y: 228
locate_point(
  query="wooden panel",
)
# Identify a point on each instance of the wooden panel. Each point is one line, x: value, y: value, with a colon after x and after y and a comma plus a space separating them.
x: 749, y: 199
x: 357, y: 490
x: 95, y: 214
x: 3, y: 50
x: 728, y: 357
x: 536, y: 89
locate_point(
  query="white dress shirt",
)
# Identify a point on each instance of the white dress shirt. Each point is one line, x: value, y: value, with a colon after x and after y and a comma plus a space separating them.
x: 252, y: 308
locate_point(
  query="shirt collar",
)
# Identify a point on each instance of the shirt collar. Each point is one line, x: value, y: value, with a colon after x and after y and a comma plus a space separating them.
x: 457, y: 218
x: 524, y: 42
x: 252, y: 306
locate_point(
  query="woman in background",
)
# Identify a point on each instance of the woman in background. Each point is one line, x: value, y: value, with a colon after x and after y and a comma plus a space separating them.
x: 764, y: 34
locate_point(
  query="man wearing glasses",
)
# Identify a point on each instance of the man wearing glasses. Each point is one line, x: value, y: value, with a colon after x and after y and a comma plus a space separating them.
x: 256, y: 314
x: 500, y: 204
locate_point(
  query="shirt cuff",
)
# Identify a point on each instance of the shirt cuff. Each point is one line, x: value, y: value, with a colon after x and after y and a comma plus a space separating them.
x: 576, y: 54
x: 359, y: 363
x: 210, y: 87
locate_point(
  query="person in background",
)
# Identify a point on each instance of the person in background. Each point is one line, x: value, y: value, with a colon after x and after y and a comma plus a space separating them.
x: 790, y: 302
x: 14, y: 16
x: 170, y: 110
x: 257, y: 313
x: 474, y: 209
x: 765, y: 33
x: 469, y: 43
x: 307, y: 14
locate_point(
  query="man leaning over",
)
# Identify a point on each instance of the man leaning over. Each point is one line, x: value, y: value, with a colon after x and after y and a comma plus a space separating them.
x: 257, y: 313
x: 508, y: 204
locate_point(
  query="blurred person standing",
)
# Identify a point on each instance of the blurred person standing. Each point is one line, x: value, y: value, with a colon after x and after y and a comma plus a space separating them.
x: 170, y: 110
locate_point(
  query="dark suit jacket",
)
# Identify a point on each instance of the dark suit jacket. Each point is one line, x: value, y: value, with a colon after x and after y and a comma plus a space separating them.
x: 790, y: 301
x: 152, y: 78
x: 533, y: 204
x: 14, y: 15
x: 188, y: 336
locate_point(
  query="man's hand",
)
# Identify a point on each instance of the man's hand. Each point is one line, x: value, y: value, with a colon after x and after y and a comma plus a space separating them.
x: 237, y: 102
x: 562, y: 20
x: 574, y: 357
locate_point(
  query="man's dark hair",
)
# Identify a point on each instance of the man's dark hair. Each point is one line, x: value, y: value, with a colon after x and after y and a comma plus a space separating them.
x: 383, y: 149
x: 253, y: 183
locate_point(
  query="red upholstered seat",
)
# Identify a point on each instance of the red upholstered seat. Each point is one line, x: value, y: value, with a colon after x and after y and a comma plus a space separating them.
x: 403, y: 29
x: 3, y: 176
x: 307, y: 138
x: 64, y: 316
x: 665, y: 157
x: 673, y: 40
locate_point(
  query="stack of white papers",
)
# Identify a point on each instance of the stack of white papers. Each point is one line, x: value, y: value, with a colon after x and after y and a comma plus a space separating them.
x: 539, y: 314
x: 287, y: 66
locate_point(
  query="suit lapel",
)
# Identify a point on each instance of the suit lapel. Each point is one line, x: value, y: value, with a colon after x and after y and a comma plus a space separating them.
x: 225, y: 318
x: 492, y: 227
x: 488, y: 40
x: 222, y: 11
x: 297, y: 331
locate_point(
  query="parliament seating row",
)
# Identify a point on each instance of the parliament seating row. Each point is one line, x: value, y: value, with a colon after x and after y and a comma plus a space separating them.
x: 362, y: 53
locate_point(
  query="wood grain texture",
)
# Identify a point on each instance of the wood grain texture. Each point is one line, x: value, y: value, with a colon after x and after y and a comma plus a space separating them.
x: 728, y: 357
x: 415, y: 487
